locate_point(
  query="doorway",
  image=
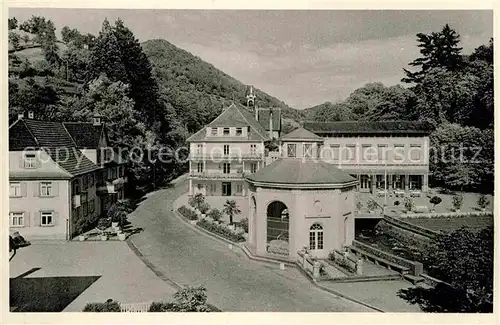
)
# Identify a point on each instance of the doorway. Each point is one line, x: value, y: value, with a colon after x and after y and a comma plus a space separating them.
x: 226, y: 188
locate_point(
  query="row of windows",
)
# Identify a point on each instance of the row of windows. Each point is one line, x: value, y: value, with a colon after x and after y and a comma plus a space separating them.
x: 213, y: 187
x: 368, y: 152
x: 226, y: 131
x: 45, y: 189
x: 226, y: 149
x: 17, y: 219
x: 226, y: 167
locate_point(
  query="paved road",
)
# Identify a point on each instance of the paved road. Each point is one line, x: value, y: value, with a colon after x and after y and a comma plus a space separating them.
x: 233, y: 282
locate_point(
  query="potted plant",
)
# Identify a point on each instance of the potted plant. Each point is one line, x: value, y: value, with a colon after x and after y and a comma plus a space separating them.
x: 215, y: 215
x: 435, y: 200
x: 121, y: 235
x: 81, y: 237
x: 457, y: 201
x: 231, y: 209
x: 483, y: 202
x: 409, y: 204
x: 196, y: 201
x: 204, y: 207
x: 104, y: 236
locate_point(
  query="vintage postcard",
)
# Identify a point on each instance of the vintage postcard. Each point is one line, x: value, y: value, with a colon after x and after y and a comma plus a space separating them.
x: 221, y: 160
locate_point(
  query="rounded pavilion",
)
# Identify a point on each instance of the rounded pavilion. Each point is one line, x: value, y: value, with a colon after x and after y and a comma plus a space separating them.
x: 299, y: 202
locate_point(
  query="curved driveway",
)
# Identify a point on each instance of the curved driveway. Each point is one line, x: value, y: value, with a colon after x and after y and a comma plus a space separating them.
x: 233, y: 282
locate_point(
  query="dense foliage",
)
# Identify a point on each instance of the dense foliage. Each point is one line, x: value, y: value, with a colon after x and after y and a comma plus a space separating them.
x: 187, y: 213
x: 463, y: 259
x: 222, y: 230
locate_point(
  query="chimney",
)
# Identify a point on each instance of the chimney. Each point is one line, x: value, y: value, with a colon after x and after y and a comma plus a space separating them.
x: 31, y: 115
x: 271, y: 122
x: 97, y: 119
x: 20, y: 116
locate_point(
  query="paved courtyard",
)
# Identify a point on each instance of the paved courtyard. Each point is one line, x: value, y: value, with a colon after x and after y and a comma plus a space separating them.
x: 64, y: 276
x: 234, y: 282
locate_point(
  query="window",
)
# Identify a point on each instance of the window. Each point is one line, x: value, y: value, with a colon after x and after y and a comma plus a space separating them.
x: 253, y: 167
x: 399, y: 152
x: 239, y: 188
x: 239, y: 132
x: 114, y: 173
x: 92, y: 206
x: 253, y: 149
x: 46, y: 189
x: 200, y: 167
x: 335, y: 148
x: 292, y: 150
x: 415, y: 152
x: 91, y: 180
x: 15, y: 189
x: 350, y: 152
x: 76, y: 187
x: 85, y: 204
x: 316, y: 237
x: 225, y: 131
x: 226, y: 149
x: 226, y: 168
x: 382, y: 152
x: 213, y: 131
x: 16, y: 219
x: 213, y: 187
x: 46, y: 219
x: 307, y: 147
x: 367, y: 153
x: 199, y: 149
x: 85, y: 182
x: 29, y: 160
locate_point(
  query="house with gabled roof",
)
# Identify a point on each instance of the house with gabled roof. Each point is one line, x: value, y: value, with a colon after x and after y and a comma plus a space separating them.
x: 58, y: 178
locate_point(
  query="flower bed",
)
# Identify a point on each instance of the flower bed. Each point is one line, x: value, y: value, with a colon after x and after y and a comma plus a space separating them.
x: 187, y: 213
x: 447, y: 215
x: 221, y: 230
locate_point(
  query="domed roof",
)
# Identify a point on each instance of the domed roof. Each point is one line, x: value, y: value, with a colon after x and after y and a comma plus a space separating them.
x: 302, y: 173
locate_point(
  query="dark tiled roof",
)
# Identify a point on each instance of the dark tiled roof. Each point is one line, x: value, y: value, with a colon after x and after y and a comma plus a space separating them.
x: 234, y: 116
x: 369, y: 127
x: 18, y: 175
x: 72, y: 160
x: 301, y: 134
x: 300, y: 171
x: 85, y: 135
x: 49, y: 134
x: 20, y: 136
x: 263, y: 115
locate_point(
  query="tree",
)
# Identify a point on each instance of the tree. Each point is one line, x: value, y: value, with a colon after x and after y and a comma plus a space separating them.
x: 12, y: 23
x: 457, y: 201
x: 439, y: 50
x: 197, y: 200
x: 463, y: 259
x: 42, y: 99
x: 44, y: 31
x: 14, y: 39
x: 435, y: 200
x: 231, y: 209
x: 482, y: 201
x: 26, y: 39
x: 105, y: 57
x: 215, y: 214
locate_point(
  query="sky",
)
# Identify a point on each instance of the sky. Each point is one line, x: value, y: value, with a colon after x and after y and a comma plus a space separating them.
x: 303, y: 58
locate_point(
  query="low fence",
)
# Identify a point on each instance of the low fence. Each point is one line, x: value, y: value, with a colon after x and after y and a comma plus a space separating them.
x: 311, y: 266
x: 398, y: 223
x: 447, y: 214
x: 416, y: 268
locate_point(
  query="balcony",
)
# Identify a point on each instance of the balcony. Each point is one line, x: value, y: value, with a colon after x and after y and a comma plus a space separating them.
x: 76, y: 200
x: 106, y: 188
x: 231, y: 156
x: 217, y: 175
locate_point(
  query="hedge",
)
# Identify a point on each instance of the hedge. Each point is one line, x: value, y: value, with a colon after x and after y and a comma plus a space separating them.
x: 221, y: 230
x: 187, y: 213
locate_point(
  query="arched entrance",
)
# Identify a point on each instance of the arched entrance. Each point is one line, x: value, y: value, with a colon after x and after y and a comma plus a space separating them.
x: 277, y: 228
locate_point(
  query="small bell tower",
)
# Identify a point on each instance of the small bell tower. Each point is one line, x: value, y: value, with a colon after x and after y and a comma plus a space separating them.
x: 251, y: 101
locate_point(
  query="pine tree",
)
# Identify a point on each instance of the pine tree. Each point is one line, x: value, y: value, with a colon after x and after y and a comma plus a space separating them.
x: 439, y: 50
x: 106, y: 58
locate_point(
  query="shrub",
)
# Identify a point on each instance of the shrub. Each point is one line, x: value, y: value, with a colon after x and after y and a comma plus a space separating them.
x: 215, y: 214
x: 103, y: 307
x: 482, y: 201
x: 187, y: 213
x: 221, y: 230
x: 359, y: 205
x: 244, y: 224
x: 103, y: 223
x: 160, y: 307
x: 457, y: 201
x: 204, y: 207
x: 197, y: 200
x: 435, y: 200
x: 409, y: 204
x: 191, y: 299
x: 372, y: 205
x: 396, y: 203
